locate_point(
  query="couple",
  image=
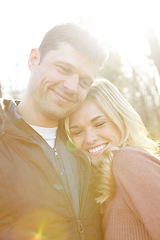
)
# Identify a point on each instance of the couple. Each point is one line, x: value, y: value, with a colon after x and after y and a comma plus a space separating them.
x: 45, y: 189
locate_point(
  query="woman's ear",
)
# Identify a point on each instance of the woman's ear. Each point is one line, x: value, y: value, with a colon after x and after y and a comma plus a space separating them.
x: 34, y: 58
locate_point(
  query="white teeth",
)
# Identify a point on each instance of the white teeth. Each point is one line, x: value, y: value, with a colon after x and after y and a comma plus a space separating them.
x: 93, y: 150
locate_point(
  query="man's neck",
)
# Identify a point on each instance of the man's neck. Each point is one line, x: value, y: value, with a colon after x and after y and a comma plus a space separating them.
x: 33, y: 118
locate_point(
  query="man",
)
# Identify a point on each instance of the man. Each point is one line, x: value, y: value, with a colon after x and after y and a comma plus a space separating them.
x: 45, y: 191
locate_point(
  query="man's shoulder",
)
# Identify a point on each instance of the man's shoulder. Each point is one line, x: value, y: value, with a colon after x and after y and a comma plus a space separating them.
x: 4, y: 104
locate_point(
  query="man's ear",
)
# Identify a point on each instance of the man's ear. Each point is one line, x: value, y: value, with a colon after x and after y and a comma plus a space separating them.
x: 34, y: 58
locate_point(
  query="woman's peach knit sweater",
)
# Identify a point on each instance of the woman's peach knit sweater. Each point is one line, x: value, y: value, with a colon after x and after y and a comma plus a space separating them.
x: 134, y: 213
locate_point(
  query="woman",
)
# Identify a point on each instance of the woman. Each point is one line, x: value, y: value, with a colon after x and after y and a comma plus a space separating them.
x: 111, y: 133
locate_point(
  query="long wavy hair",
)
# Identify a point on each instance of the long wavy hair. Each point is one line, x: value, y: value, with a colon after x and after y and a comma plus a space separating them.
x: 132, y: 130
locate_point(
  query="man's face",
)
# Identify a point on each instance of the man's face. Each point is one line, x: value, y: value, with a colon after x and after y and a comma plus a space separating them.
x: 60, y: 82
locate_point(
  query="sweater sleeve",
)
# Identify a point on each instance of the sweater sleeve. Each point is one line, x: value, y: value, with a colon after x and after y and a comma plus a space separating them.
x: 138, y: 173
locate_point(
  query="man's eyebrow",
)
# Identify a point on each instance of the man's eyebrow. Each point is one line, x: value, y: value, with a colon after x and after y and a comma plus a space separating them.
x: 69, y: 65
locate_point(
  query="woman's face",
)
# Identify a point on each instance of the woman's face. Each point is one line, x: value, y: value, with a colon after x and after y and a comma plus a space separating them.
x: 92, y: 131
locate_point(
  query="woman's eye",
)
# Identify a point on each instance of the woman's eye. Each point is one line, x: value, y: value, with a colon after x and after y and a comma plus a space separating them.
x: 76, y: 133
x: 100, y: 124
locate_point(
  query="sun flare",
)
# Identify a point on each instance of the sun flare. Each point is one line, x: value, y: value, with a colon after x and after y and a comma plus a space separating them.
x: 123, y: 24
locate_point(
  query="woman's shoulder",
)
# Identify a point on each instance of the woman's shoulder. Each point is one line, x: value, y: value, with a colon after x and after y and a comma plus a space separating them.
x: 129, y: 153
x: 134, y: 166
x: 133, y: 150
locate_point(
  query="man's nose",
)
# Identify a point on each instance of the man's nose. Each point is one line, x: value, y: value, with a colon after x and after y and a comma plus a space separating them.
x: 71, y: 83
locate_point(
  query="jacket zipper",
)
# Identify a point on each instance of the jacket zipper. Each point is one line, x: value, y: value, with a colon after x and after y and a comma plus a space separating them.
x: 78, y: 222
x: 81, y: 230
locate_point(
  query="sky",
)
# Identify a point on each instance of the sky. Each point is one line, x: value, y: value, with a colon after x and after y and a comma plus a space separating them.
x: 24, y: 23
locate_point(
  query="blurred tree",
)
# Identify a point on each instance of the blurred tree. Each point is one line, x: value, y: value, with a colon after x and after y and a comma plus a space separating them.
x: 0, y: 91
x: 13, y: 90
x: 153, y: 44
x: 139, y: 86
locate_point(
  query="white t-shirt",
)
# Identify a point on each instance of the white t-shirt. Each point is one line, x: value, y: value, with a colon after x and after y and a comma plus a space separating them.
x: 49, y: 134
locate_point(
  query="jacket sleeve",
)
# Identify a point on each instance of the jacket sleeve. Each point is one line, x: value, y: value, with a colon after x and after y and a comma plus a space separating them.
x: 138, y: 172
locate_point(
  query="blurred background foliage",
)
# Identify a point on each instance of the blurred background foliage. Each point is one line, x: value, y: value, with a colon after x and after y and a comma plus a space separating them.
x: 139, y: 87
x: 139, y: 83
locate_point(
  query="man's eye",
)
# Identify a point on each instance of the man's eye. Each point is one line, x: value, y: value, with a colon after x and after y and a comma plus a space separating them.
x: 85, y: 83
x: 62, y: 69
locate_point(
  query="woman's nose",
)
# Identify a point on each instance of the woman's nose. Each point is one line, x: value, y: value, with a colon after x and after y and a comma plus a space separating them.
x: 91, y: 136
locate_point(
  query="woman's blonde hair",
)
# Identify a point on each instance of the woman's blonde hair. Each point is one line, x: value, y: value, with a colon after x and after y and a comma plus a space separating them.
x: 128, y: 121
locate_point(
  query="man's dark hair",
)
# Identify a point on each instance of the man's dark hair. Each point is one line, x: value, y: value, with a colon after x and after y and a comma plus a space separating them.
x: 78, y: 37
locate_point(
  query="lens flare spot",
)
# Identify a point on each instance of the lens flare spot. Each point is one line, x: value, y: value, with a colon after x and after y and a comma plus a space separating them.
x: 71, y: 147
x: 38, y: 236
